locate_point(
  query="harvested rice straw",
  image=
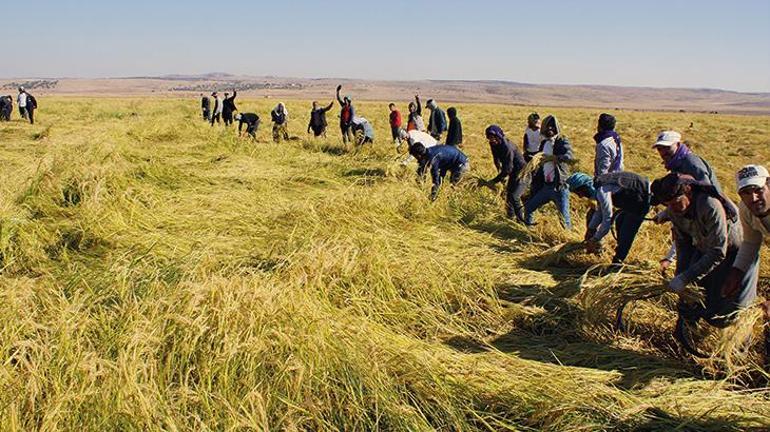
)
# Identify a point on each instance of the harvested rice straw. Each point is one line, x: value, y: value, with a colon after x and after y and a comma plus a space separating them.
x: 601, y: 297
x: 531, y: 166
x: 737, y: 350
x: 558, y: 254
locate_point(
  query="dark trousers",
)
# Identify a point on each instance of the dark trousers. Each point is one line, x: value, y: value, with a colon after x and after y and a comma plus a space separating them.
x: 719, y: 311
x: 627, y: 225
x: 513, y: 203
x: 228, y: 117
x: 206, y: 115
x: 252, y: 130
x: 23, y: 112
x: 215, y: 118
x: 31, y: 115
x: 347, y: 133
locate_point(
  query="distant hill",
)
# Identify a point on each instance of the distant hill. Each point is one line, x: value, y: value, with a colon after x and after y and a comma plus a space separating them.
x: 505, y: 92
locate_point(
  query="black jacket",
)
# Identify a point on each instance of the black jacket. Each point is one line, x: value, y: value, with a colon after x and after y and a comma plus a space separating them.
x: 249, y: 119
x: 318, y: 118
x: 508, y: 160
x: 228, y: 105
x: 455, y: 132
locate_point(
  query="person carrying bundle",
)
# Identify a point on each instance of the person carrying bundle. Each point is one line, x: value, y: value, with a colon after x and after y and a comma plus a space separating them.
x: 509, y: 163
x: 557, y: 157
x: 623, y: 198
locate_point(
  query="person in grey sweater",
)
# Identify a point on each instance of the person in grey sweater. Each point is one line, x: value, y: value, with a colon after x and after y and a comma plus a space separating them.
x: 708, y: 236
x: 754, y: 213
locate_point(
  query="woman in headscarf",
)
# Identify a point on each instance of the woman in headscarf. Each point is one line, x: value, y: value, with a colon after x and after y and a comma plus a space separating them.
x: 509, y: 162
x: 557, y: 157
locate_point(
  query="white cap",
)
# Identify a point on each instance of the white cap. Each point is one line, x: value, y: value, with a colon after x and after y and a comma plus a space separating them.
x: 667, y: 139
x: 752, y: 175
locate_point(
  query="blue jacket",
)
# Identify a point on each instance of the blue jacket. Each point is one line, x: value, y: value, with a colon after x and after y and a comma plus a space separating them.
x: 437, y: 123
x: 441, y: 158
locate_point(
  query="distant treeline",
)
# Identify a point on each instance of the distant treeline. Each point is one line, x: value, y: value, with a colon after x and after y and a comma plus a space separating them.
x: 29, y: 85
x: 242, y: 86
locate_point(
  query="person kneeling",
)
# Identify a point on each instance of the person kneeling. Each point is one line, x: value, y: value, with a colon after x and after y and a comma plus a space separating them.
x: 439, y: 159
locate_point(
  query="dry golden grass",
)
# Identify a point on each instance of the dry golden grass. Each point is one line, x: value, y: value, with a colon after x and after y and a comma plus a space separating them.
x: 160, y: 274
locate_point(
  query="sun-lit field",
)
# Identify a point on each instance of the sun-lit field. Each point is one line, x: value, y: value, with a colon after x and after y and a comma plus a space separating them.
x: 160, y: 274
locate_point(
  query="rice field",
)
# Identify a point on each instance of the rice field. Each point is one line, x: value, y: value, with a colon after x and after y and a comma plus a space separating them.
x: 160, y: 274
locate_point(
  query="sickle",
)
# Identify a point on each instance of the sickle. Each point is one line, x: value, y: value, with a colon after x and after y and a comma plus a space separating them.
x: 680, y: 334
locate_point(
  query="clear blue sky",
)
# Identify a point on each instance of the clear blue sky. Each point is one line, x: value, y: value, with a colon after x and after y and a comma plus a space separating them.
x: 709, y: 43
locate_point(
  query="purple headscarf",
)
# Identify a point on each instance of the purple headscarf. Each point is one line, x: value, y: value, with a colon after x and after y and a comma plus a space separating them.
x: 682, y: 152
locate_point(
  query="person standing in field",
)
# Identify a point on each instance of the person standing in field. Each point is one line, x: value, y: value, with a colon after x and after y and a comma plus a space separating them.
x: 280, y: 117
x: 439, y: 160
x: 228, y: 107
x: 708, y: 237
x: 532, y: 141
x: 454, y: 135
x: 347, y: 112
x: 622, y: 198
x: 415, y: 121
x: 609, y: 148
x: 437, y: 123
x: 216, y: 113
x: 509, y: 163
x: 251, y: 120
x: 557, y: 157
x: 395, y: 125
x: 205, y: 107
x: 754, y: 214
x: 31, y: 107
x: 317, y: 121
x: 21, y: 102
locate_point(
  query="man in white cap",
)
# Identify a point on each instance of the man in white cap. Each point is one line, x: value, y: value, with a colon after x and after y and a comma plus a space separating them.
x: 678, y: 158
x: 754, y: 209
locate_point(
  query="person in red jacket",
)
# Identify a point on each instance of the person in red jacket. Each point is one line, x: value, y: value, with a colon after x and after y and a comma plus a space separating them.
x: 395, y: 124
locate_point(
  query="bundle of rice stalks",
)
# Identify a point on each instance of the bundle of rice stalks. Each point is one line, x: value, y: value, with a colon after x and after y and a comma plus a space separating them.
x: 737, y: 351
x: 531, y: 166
x: 603, y: 297
x: 564, y: 254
